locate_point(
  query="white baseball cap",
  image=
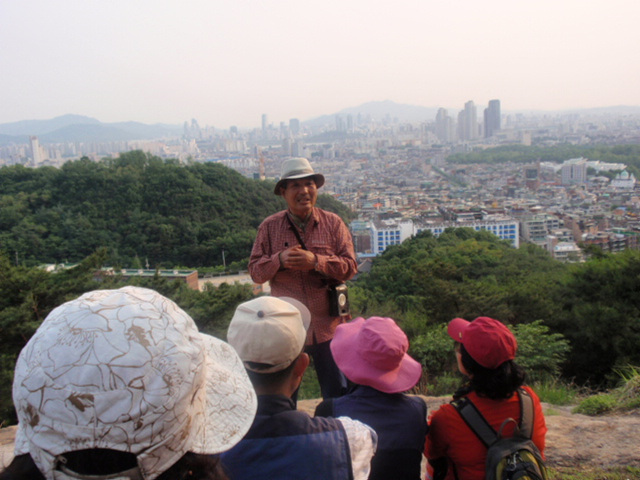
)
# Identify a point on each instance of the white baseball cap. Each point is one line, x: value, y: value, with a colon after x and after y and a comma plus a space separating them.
x: 269, y: 331
x: 128, y: 370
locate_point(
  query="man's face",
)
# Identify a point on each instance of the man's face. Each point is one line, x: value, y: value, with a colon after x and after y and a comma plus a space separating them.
x: 301, y: 195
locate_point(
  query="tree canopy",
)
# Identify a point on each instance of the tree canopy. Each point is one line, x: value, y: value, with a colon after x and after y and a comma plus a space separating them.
x: 136, y: 205
x: 427, y: 281
x: 627, y: 154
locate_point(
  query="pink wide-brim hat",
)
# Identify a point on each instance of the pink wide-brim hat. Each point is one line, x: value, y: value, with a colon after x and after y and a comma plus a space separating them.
x: 373, y: 352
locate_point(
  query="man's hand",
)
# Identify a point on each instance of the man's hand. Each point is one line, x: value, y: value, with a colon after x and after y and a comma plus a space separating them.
x: 296, y: 258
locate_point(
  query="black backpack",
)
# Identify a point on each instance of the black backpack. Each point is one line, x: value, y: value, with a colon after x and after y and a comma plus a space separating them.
x: 510, y: 458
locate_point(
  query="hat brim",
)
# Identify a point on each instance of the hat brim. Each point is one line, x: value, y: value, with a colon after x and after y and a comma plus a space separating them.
x: 304, y: 311
x: 317, y: 177
x: 231, y: 401
x: 356, y: 369
x: 456, y: 328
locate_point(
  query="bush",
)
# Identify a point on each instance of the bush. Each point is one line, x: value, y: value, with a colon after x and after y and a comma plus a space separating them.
x: 628, y: 393
x: 442, y: 385
x: 596, y: 404
x: 555, y: 392
x: 540, y: 353
x: 434, y: 350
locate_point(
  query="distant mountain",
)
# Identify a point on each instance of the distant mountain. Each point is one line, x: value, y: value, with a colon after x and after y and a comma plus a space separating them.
x: 40, y: 127
x: 381, y: 110
x: 615, y: 110
x: 7, y: 139
x: 78, y: 128
x: 86, y: 133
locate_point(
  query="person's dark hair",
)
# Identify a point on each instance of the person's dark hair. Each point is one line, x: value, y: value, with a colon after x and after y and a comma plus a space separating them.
x: 494, y: 383
x: 261, y: 380
x: 21, y: 468
x: 191, y: 466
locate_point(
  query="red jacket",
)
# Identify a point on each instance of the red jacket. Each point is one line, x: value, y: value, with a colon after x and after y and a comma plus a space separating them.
x: 450, y: 437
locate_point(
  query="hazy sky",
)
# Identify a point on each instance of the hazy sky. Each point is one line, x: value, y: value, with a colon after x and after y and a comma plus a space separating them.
x: 227, y: 62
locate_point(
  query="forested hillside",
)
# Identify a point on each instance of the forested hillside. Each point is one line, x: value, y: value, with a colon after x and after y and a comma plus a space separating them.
x: 580, y: 322
x: 627, y: 154
x: 427, y: 281
x: 140, y: 207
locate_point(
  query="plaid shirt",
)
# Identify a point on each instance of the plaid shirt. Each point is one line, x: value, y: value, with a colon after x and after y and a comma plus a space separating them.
x: 328, y: 237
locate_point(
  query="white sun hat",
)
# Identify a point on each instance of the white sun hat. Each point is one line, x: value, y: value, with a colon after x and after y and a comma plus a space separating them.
x: 128, y: 370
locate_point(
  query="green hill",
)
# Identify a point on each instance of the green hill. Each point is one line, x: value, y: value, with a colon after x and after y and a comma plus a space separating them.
x: 141, y: 208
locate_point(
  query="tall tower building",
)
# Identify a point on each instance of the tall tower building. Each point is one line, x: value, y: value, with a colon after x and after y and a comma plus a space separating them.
x: 492, y: 118
x: 294, y: 126
x: 444, y: 126
x: 37, y: 152
x: 470, y: 121
x: 264, y: 125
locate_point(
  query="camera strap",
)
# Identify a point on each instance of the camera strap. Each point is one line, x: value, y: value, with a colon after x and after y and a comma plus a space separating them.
x: 295, y: 231
x: 330, y: 281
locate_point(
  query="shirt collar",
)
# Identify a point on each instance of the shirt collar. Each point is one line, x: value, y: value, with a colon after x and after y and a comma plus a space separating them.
x: 302, y: 224
x: 272, y: 404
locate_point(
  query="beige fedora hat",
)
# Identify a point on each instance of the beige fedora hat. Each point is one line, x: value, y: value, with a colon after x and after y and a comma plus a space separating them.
x: 297, y: 167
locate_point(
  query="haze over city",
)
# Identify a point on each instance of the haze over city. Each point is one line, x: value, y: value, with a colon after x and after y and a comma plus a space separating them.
x: 226, y: 63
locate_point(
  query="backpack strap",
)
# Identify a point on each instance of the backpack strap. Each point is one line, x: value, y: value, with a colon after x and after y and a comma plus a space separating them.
x: 526, y: 413
x: 483, y: 430
x: 476, y: 422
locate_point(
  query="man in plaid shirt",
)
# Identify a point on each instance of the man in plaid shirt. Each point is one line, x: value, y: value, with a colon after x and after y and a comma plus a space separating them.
x: 301, y: 269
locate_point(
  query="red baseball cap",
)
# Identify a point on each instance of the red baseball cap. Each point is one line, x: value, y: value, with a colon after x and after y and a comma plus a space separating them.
x: 488, y: 341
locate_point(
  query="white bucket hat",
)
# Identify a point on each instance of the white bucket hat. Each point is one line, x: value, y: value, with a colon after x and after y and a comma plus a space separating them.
x: 128, y: 370
x: 270, y: 331
x: 298, y: 167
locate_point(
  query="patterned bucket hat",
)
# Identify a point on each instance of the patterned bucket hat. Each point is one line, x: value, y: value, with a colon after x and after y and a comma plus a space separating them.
x: 128, y: 370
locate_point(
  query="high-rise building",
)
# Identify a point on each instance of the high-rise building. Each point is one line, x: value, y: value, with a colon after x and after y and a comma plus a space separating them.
x: 264, y: 123
x: 492, y: 118
x: 444, y: 126
x: 468, y: 122
x: 294, y: 126
x: 37, y: 152
x: 574, y: 171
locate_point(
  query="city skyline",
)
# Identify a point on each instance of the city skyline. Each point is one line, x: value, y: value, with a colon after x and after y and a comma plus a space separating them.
x: 227, y: 63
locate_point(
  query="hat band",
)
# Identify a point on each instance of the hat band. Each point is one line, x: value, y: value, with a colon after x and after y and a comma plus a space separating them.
x: 299, y: 172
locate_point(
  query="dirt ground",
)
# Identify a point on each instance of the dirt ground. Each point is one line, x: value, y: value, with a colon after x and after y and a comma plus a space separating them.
x: 575, y: 440
x: 572, y: 441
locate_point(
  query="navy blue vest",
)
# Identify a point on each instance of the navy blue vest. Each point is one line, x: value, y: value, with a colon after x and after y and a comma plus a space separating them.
x: 400, y: 422
x: 283, y: 444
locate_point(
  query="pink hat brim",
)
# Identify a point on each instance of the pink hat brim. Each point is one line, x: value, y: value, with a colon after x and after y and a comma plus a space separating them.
x: 358, y: 370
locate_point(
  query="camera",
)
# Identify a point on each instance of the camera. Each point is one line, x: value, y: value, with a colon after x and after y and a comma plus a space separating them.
x: 339, y: 300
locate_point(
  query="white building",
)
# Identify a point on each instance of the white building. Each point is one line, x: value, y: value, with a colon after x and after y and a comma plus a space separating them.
x: 38, y: 153
x: 536, y: 228
x: 574, y: 171
x: 566, y: 252
x: 624, y: 181
x: 389, y: 232
x: 393, y: 232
